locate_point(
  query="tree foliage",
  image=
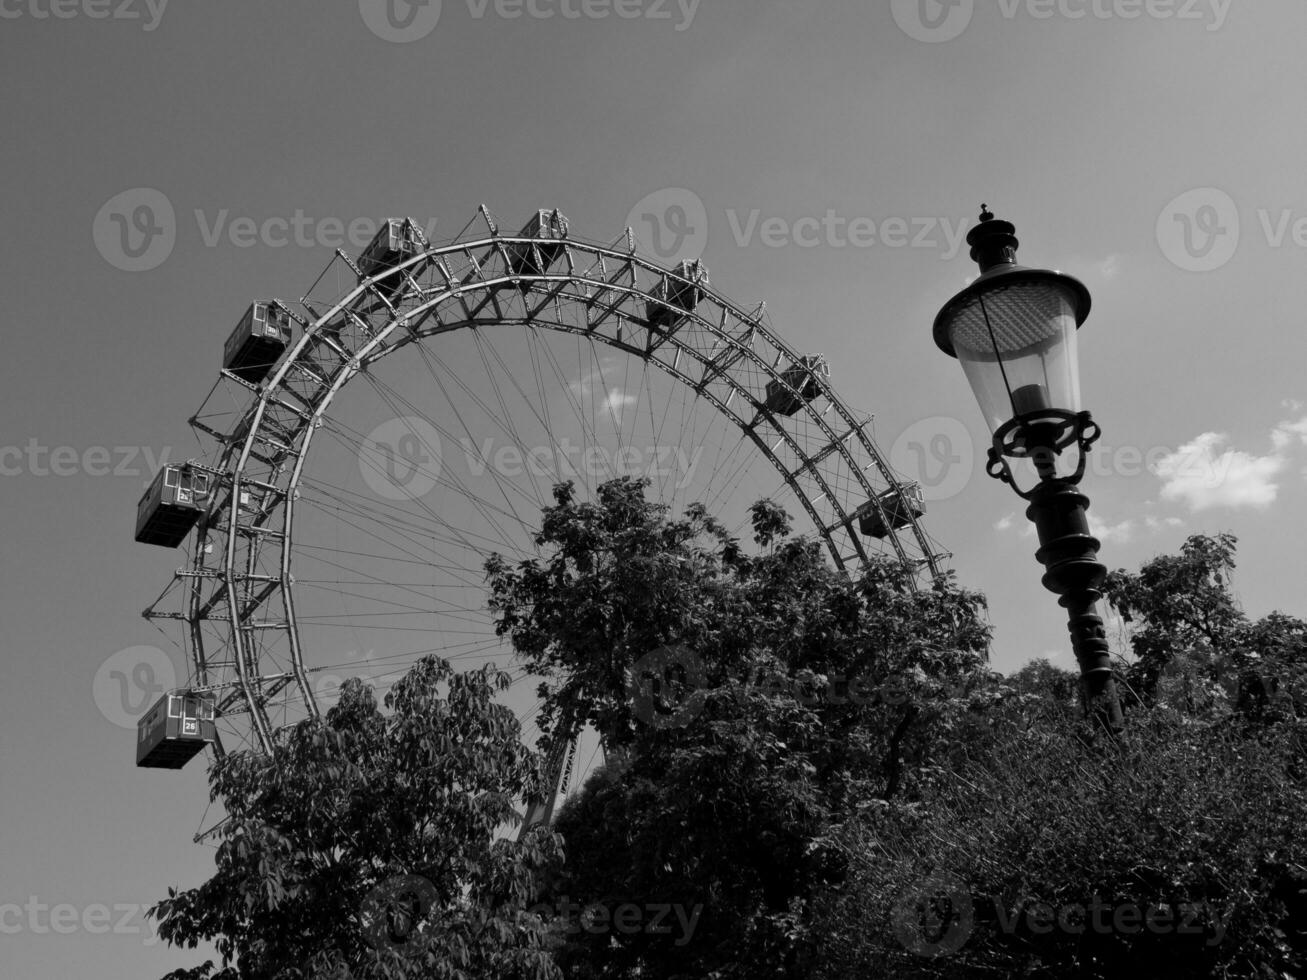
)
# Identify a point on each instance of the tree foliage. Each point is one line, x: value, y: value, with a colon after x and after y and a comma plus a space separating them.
x: 807, y: 775
x: 1196, y: 651
x: 1180, y: 854
x: 816, y: 692
x: 1176, y: 852
x: 365, y: 845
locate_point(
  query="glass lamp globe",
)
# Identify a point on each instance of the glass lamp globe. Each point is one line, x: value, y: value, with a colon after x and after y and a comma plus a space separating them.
x: 1014, y: 332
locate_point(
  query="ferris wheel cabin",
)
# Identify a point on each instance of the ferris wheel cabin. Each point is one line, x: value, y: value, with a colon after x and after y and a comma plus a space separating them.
x: 175, y: 730
x: 675, y: 300
x: 170, y: 507
x: 900, y: 510
x: 803, y: 376
x: 258, y: 340
x: 394, y: 243
x: 549, y: 229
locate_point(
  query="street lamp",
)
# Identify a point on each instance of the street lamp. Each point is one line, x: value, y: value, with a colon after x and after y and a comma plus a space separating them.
x: 1014, y: 331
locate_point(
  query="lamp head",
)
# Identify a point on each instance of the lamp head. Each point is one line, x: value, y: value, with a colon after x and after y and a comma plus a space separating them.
x: 1014, y: 330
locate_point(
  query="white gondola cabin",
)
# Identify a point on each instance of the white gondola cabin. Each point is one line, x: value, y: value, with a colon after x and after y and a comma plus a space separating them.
x: 675, y: 300
x: 900, y: 511
x: 549, y: 229
x: 258, y: 340
x: 803, y: 376
x: 394, y: 243
x: 171, y: 505
x: 175, y: 730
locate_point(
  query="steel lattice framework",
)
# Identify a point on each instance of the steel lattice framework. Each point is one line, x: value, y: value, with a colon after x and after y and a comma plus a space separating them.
x: 237, y: 594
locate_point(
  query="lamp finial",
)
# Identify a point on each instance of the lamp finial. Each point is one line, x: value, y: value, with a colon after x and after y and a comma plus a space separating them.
x: 993, y: 241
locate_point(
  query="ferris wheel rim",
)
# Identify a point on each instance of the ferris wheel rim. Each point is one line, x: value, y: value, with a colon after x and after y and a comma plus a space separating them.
x: 549, y: 287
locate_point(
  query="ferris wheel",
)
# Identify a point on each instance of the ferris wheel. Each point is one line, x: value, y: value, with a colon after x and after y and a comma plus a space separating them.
x: 341, y: 518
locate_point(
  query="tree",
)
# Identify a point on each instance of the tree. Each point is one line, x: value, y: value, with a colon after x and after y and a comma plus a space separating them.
x: 1271, y: 659
x: 1195, y: 649
x: 1183, y: 607
x: 811, y: 693
x: 1177, y: 852
x: 365, y: 845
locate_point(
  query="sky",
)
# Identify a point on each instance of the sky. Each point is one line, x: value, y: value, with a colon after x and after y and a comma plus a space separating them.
x: 165, y: 163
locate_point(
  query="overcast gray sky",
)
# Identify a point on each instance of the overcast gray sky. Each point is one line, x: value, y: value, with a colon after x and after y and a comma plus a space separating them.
x: 823, y: 155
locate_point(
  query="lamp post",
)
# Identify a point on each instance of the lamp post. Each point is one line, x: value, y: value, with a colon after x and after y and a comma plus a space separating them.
x: 1014, y: 331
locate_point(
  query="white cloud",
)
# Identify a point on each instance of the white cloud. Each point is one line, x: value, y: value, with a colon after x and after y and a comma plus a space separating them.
x: 583, y: 385
x: 1013, y: 520
x: 1207, y: 472
x: 1204, y: 473
x: 1106, y: 532
x: 1288, y: 433
x: 1158, y: 523
x: 616, y: 400
x: 1110, y: 267
x: 590, y: 387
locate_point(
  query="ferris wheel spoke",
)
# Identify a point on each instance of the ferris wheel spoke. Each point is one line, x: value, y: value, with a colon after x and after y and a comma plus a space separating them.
x: 571, y: 390
x: 506, y: 418
x: 374, y: 531
x: 431, y: 360
x: 393, y: 513
x: 321, y: 622
x: 545, y: 415
x: 402, y: 608
x: 420, y: 535
x: 351, y: 553
x: 474, y: 499
x: 454, y: 652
